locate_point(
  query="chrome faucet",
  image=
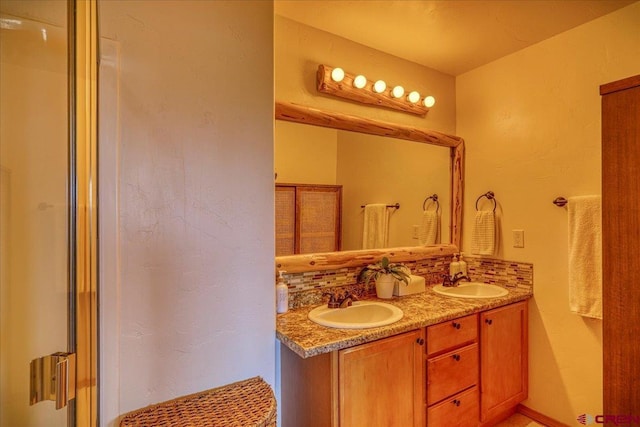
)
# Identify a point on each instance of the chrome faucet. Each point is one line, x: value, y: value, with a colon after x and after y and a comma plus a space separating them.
x: 340, y: 301
x: 454, y: 281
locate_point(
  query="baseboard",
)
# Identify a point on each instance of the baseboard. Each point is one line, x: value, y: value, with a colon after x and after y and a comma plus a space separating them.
x: 538, y: 417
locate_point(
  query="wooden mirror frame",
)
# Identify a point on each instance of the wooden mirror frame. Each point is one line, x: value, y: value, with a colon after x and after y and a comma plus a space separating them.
x: 332, y: 260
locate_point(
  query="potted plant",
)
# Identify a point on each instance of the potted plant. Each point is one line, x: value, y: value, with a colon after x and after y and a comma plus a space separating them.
x: 385, y: 275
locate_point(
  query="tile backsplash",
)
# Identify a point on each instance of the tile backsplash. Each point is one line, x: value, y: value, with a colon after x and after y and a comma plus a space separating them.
x: 307, y: 288
x: 500, y: 272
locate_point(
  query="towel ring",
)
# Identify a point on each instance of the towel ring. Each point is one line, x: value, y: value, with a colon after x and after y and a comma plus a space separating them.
x: 434, y: 199
x: 490, y: 196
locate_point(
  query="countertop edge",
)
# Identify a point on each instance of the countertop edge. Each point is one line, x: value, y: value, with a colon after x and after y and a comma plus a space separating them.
x: 362, y: 336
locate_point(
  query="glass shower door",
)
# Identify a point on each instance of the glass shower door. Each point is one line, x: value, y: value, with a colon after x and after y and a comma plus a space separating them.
x: 34, y: 207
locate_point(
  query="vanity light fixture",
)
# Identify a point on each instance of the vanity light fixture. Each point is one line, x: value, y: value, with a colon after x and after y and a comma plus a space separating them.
x: 337, y: 75
x: 355, y: 87
x: 414, y: 97
x: 360, y: 81
x: 379, y: 86
x: 429, y: 101
x: 397, y: 91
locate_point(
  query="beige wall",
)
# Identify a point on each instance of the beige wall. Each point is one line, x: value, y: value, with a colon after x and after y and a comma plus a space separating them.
x: 299, y: 50
x: 531, y: 122
x: 305, y: 154
x: 186, y: 199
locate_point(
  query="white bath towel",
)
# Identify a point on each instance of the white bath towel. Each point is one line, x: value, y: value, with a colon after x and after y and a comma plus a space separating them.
x: 483, y: 239
x: 375, y: 234
x: 429, y: 228
x: 585, y: 256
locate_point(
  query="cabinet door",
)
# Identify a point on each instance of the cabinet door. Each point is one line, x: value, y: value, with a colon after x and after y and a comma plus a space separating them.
x: 318, y: 211
x: 381, y: 383
x: 503, y: 358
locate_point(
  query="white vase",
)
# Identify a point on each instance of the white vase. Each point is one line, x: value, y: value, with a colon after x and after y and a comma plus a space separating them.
x: 384, y: 286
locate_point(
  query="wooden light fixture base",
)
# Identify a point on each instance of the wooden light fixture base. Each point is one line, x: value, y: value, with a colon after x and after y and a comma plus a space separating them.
x: 366, y: 95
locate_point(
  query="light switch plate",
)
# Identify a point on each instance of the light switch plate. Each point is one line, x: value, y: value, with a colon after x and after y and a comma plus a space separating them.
x: 518, y: 238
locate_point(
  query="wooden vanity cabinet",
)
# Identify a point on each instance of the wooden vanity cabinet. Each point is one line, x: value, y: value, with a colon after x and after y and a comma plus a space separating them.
x: 308, y: 218
x: 473, y: 371
x: 375, y: 384
x: 381, y: 383
x: 452, y: 373
x: 503, y: 359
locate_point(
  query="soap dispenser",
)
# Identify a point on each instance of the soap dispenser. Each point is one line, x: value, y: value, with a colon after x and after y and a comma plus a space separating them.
x: 463, y: 266
x: 454, y: 267
x: 282, y: 295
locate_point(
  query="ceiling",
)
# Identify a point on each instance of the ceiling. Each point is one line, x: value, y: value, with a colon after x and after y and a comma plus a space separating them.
x: 451, y: 36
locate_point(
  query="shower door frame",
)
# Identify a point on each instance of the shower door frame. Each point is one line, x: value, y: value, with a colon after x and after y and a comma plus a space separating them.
x: 83, y: 198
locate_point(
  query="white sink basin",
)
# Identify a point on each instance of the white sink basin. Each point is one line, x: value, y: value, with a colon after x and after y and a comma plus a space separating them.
x: 471, y: 290
x: 362, y: 314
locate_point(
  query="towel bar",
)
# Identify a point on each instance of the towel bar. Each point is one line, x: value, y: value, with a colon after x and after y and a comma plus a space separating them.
x: 396, y: 206
x: 560, y: 201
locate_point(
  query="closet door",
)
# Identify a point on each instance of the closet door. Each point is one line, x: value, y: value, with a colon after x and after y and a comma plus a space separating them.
x: 621, y: 245
x: 285, y: 220
x: 308, y: 218
x: 318, y: 209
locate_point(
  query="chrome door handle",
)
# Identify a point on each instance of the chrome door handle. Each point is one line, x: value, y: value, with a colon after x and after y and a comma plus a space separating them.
x: 53, y: 378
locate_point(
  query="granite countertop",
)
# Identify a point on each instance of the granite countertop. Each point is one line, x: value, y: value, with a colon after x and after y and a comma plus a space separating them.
x: 307, y: 339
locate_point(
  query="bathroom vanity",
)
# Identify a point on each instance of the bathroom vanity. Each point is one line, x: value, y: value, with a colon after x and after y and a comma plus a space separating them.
x: 447, y: 362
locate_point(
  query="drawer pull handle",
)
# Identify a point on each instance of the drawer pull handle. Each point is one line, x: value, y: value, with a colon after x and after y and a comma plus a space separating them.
x: 456, y: 357
x: 456, y: 325
x: 456, y: 402
x: 488, y: 321
x: 420, y: 341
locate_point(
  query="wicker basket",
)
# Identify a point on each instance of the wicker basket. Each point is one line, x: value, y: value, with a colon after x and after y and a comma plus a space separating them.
x: 248, y: 403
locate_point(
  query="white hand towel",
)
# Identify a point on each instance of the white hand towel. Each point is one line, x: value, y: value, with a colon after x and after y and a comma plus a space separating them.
x: 483, y: 239
x: 429, y: 227
x: 585, y: 256
x: 375, y: 234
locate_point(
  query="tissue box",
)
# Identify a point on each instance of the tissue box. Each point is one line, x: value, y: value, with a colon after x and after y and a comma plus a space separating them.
x: 416, y: 285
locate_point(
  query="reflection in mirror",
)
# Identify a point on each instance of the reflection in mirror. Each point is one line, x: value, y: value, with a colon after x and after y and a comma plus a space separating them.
x: 326, y: 119
x: 370, y: 169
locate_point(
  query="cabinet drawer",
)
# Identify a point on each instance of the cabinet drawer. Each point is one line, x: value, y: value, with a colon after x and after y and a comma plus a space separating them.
x: 461, y: 410
x: 451, y: 372
x: 451, y: 334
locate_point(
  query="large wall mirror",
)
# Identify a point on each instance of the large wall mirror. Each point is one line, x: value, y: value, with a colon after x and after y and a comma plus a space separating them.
x: 374, y: 162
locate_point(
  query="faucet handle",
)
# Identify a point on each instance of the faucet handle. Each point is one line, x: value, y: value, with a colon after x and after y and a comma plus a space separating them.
x: 332, y: 303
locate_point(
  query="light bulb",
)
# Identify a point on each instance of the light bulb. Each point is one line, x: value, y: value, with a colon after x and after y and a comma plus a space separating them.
x: 429, y: 101
x: 379, y: 86
x: 337, y: 74
x: 397, y: 92
x: 360, y: 81
x: 413, y: 97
